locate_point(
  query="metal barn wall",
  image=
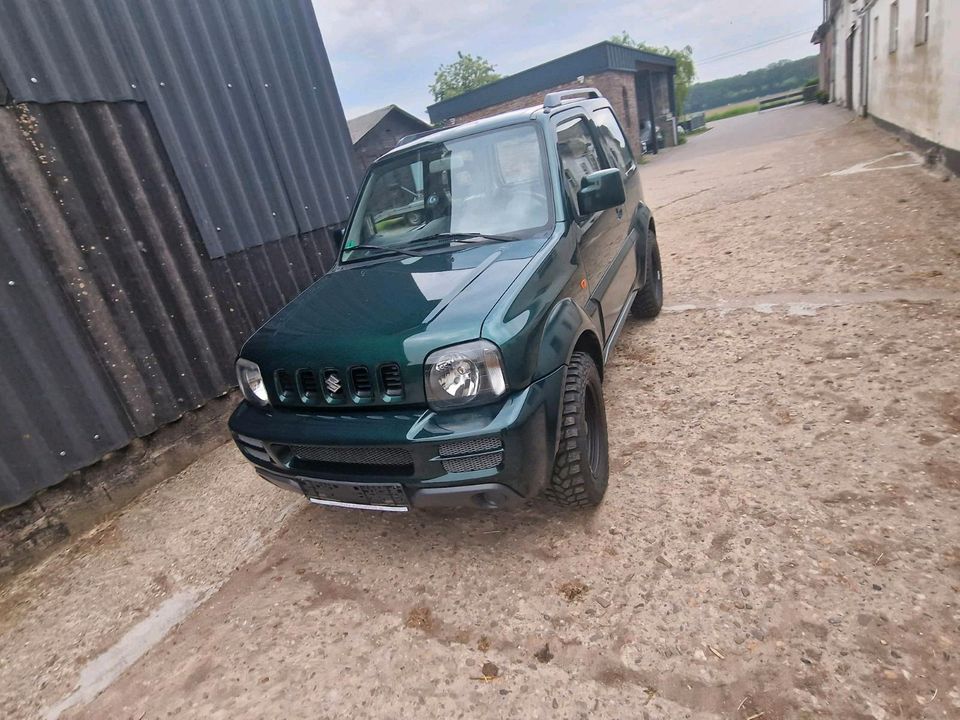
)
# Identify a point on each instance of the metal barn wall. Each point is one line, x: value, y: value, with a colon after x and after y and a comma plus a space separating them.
x: 241, y: 92
x: 118, y: 315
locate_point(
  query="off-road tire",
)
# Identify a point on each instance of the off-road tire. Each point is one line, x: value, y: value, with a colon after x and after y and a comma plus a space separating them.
x: 649, y: 300
x: 582, y: 466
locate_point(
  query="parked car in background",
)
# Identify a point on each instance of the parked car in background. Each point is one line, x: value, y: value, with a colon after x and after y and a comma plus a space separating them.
x: 458, y: 359
x: 647, y: 137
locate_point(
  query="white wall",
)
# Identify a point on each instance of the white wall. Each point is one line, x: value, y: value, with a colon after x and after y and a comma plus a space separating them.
x: 918, y: 86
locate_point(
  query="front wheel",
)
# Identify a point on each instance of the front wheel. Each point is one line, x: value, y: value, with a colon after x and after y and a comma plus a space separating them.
x: 582, y: 464
x: 649, y: 300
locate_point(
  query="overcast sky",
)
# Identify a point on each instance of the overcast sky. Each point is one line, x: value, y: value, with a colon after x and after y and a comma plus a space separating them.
x: 386, y: 51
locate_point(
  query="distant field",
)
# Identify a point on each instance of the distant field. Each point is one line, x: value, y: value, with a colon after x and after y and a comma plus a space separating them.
x: 732, y: 110
x: 742, y: 108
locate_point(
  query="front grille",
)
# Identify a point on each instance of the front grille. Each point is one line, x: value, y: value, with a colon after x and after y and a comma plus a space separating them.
x: 356, y: 384
x: 391, y: 380
x: 353, y: 455
x: 286, y: 388
x: 362, y: 386
x: 391, y: 461
x: 309, y: 387
x: 473, y: 462
x: 473, y: 445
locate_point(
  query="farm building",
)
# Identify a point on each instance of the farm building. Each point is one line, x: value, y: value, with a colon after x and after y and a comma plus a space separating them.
x: 170, y: 177
x: 638, y: 84
x: 374, y: 133
x: 893, y: 61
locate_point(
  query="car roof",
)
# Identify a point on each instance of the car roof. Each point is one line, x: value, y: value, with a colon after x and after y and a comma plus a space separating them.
x: 504, y: 119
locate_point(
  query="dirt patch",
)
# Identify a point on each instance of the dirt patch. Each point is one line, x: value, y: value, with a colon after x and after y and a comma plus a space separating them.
x: 420, y: 618
x: 544, y: 655
x: 573, y: 590
x: 944, y: 473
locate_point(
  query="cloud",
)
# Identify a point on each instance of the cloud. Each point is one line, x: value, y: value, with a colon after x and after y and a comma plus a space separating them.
x: 386, y: 51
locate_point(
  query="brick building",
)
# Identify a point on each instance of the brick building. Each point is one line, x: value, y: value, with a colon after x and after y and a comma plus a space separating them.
x: 638, y: 84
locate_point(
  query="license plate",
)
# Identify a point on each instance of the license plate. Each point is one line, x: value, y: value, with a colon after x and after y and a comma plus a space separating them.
x: 387, y: 497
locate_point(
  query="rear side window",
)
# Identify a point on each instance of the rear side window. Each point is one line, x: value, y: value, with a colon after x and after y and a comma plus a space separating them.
x: 614, y: 143
x: 578, y: 155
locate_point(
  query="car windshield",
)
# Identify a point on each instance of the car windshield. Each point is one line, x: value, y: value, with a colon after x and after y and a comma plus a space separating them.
x: 489, y: 184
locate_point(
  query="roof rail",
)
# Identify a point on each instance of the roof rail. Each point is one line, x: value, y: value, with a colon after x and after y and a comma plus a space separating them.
x: 556, y: 99
x: 416, y: 136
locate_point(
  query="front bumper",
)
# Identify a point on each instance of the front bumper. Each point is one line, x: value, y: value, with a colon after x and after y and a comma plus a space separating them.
x: 490, y: 456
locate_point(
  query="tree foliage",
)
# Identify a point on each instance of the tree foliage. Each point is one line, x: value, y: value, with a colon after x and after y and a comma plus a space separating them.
x: 467, y: 72
x: 686, y: 71
x: 777, y: 77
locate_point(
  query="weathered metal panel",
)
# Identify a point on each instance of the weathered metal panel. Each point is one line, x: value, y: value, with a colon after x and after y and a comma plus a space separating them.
x: 297, y: 98
x: 54, y: 50
x: 117, y: 320
x: 169, y: 172
x: 241, y: 93
x: 59, y: 408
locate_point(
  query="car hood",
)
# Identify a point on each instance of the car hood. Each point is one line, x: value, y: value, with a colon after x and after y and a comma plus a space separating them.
x: 394, y: 310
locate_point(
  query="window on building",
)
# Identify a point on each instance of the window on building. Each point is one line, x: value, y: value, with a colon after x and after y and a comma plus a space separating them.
x: 876, y: 37
x: 894, y: 25
x: 923, y: 21
x: 612, y: 140
x: 578, y: 154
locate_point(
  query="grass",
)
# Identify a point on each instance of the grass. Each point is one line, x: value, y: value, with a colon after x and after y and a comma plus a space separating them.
x: 730, y: 111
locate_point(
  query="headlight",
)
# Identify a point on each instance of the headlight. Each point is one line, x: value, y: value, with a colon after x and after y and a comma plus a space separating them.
x: 468, y: 374
x: 251, y: 382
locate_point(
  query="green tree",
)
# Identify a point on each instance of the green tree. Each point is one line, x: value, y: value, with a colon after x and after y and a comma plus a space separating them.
x: 686, y: 72
x: 467, y: 73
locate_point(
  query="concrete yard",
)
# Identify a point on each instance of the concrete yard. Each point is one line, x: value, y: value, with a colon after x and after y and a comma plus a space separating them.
x: 780, y: 539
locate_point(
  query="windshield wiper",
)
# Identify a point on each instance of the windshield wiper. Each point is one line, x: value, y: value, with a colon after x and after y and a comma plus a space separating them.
x: 466, y: 237
x: 385, y: 248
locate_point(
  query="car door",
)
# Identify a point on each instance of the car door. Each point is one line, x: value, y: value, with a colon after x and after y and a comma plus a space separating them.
x: 579, y: 156
x: 620, y: 244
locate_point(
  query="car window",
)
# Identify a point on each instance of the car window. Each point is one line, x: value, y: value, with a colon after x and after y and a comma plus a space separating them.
x: 612, y: 140
x: 493, y: 183
x: 578, y: 155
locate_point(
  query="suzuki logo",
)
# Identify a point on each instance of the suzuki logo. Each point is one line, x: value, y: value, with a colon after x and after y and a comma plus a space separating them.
x: 333, y: 383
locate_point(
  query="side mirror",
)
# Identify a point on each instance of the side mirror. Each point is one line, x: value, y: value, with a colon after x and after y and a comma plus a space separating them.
x: 600, y: 190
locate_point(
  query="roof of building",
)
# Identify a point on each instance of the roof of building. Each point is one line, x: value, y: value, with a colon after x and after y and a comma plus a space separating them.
x: 362, y: 124
x: 504, y: 119
x: 591, y: 60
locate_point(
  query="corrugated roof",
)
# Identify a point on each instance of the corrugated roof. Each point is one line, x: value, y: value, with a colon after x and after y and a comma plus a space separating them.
x: 242, y: 95
x: 589, y: 61
x: 115, y: 319
x: 168, y: 175
x: 362, y: 124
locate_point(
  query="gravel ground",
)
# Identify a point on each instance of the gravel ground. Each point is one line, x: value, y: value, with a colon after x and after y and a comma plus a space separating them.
x: 780, y: 538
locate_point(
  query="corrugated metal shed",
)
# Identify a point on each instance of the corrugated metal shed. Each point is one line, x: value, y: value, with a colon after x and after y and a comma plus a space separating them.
x: 118, y: 313
x: 589, y: 61
x: 241, y: 93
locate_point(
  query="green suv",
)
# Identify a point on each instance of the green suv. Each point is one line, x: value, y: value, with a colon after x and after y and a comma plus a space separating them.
x: 454, y: 354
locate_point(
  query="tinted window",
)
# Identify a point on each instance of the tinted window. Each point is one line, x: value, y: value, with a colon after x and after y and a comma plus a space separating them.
x: 611, y: 138
x: 578, y: 155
